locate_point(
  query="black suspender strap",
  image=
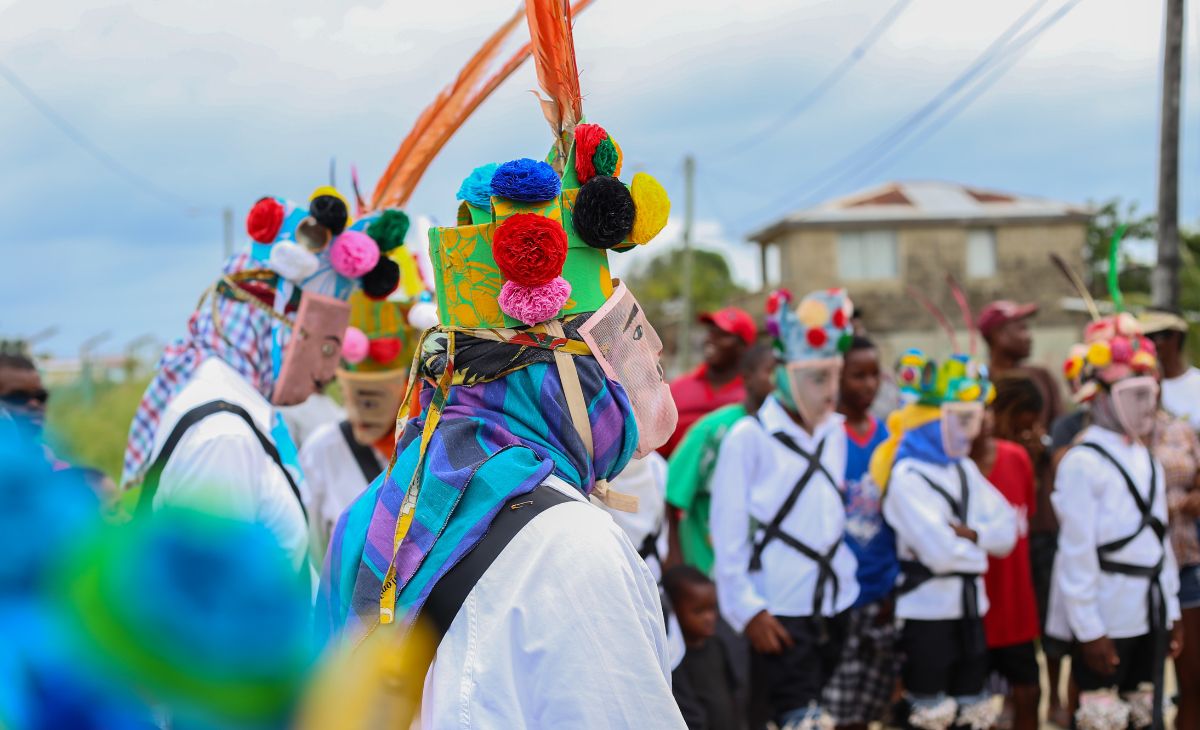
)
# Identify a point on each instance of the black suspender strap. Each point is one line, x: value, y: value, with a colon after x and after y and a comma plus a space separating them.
x: 449, y: 593
x: 914, y: 573
x: 649, y: 548
x: 191, y: 418
x: 774, y: 529
x: 364, y: 456
x: 1156, y: 605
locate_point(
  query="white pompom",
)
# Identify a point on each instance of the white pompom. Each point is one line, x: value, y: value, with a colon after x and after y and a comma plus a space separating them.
x: 423, y: 315
x: 292, y: 261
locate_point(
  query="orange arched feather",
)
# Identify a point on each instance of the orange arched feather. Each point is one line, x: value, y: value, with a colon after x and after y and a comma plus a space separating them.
x: 554, y: 57
x: 441, y: 119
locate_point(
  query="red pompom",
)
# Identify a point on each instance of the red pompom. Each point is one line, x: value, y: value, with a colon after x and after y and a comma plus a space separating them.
x: 384, y: 349
x: 265, y: 220
x: 816, y: 336
x: 839, y: 318
x: 587, y: 138
x: 530, y: 249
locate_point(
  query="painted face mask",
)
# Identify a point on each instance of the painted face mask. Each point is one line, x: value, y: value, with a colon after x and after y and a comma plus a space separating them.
x: 314, y: 350
x: 372, y: 401
x: 813, y: 387
x: 961, y: 423
x: 627, y: 348
x: 1134, y: 403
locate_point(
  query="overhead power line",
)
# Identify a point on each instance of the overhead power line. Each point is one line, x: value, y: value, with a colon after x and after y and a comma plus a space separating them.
x: 831, y: 79
x: 997, y: 58
x: 91, y: 148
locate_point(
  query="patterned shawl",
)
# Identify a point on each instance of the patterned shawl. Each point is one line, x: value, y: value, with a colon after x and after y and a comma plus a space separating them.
x: 498, y: 438
x: 241, y: 337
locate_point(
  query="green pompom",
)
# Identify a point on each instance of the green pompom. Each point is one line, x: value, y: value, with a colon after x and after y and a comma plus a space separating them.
x: 843, y: 344
x: 389, y: 229
x: 604, y: 159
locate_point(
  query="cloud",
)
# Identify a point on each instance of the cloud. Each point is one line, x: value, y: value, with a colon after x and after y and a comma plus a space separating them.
x: 222, y: 102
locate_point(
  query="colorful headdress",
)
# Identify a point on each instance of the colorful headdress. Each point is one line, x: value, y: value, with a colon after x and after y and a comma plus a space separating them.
x: 818, y: 328
x: 957, y: 379
x: 1113, y: 347
x: 532, y: 239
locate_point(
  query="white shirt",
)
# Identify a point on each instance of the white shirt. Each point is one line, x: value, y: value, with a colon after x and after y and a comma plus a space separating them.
x: 753, y: 476
x: 564, y: 630
x: 646, y: 479
x: 1181, y: 396
x: 332, y: 479
x: 304, y: 419
x: 219, y: 463
x: 922, y: 520
x: 1094, y: 507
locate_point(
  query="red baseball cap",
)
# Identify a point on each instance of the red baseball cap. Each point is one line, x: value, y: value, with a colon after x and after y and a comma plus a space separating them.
x: 734, y: 321
x: 1002, y: 312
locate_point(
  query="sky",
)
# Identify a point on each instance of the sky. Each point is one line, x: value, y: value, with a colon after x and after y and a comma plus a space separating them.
x: 214, y: 104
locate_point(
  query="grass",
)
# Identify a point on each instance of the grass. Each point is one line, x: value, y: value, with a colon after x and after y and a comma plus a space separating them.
x: 89, y: 426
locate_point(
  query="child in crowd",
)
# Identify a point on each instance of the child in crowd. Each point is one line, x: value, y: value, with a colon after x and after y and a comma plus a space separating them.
x: 784, y: 575
x: 689, y: 492
x: 861, y: 689
x: 947, y: 519
x: 705, y: 682
x: 1011, y: 623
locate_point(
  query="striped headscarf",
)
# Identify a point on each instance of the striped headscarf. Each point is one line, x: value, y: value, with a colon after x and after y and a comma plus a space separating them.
x: 240, y: 336
x: 498, y: 438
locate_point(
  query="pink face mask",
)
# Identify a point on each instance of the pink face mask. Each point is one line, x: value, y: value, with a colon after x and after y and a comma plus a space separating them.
x: 314, y: 350
x: 627, y: 348
x: 1135, y: 404
x: 961, y: 423
x: 814, y: 387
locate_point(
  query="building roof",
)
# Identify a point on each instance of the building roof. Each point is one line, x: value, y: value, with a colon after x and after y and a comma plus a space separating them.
x: 924, y: 201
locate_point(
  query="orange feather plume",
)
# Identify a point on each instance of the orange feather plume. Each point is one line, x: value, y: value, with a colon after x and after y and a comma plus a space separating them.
x: 554, y: 57
x: 449, y: 110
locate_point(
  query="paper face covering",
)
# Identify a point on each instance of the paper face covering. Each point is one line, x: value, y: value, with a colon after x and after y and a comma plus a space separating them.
x: 314, y: 351
x: 814, y: 386
x: 1135, y: 402
x: 961, y: 423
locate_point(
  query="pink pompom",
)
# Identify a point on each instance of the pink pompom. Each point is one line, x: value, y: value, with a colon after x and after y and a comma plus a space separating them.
x: 354, y: 345
x: 1122, y: 350
x: 534, y: 304
x: 353, y: 254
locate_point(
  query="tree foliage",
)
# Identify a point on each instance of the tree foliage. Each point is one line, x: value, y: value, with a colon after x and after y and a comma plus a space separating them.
x: 658, y: 285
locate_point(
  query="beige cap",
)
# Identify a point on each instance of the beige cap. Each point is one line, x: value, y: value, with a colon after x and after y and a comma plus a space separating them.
x: 1153, y: 321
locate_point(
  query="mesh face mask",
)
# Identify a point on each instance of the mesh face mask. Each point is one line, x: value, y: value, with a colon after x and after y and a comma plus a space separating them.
x: 627, y: 348
x: 813, y: 387
x: 1135, y: 403
x: 961, y: 423
x: 314, y: 351
x: 372, y: 401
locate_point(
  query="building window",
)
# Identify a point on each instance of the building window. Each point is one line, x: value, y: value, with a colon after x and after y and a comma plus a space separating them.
x: 981, y: 253
x: 866, y: 255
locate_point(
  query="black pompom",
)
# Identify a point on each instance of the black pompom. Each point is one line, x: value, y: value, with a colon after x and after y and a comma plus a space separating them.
x: 382, y: 280
x: 604, y: 212
x: 330, y: 212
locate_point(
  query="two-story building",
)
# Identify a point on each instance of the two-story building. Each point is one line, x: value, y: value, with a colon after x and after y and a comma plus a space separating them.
x: 881, y: 241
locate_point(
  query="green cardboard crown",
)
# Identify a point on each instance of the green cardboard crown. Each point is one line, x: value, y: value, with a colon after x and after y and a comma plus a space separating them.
x: 468, y: 280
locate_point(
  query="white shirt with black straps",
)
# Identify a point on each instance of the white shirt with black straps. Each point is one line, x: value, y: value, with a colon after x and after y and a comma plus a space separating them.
x: 753, y: 476
x: 1094, y: 507
x: 922, y: 519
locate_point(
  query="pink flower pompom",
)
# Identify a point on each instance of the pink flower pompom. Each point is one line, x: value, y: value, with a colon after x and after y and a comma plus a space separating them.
x: 354, y: 345
x: 1122, y: 350
x: 353, y: 254
x: 534, y: 304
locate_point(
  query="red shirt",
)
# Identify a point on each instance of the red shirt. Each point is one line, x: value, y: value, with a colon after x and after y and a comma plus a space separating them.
x: 695, y: 398
x: 1012, y: 617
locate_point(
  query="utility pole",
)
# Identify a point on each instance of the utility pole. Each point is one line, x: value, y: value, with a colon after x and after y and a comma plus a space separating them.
x: 1164, y: 285
x: 227, y: 218
x: 685, y: 329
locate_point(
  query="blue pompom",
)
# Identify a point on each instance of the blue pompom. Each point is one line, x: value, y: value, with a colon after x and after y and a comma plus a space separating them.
x: 527, y: 180
x: 476, y: 189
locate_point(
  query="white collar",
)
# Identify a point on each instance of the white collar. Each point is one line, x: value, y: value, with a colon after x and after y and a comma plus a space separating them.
x: 775, y: 419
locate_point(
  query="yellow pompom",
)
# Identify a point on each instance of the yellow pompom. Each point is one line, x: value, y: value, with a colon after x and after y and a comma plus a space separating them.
x: 1143, y: 361
x: 620, y: 158
x: 913, y: 360
x: 1073, y: 367
x: 991, y: 395
x: 1099, y: 355
x: 970, y: 392
x: 652, y: 208
x: 812, y: 313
